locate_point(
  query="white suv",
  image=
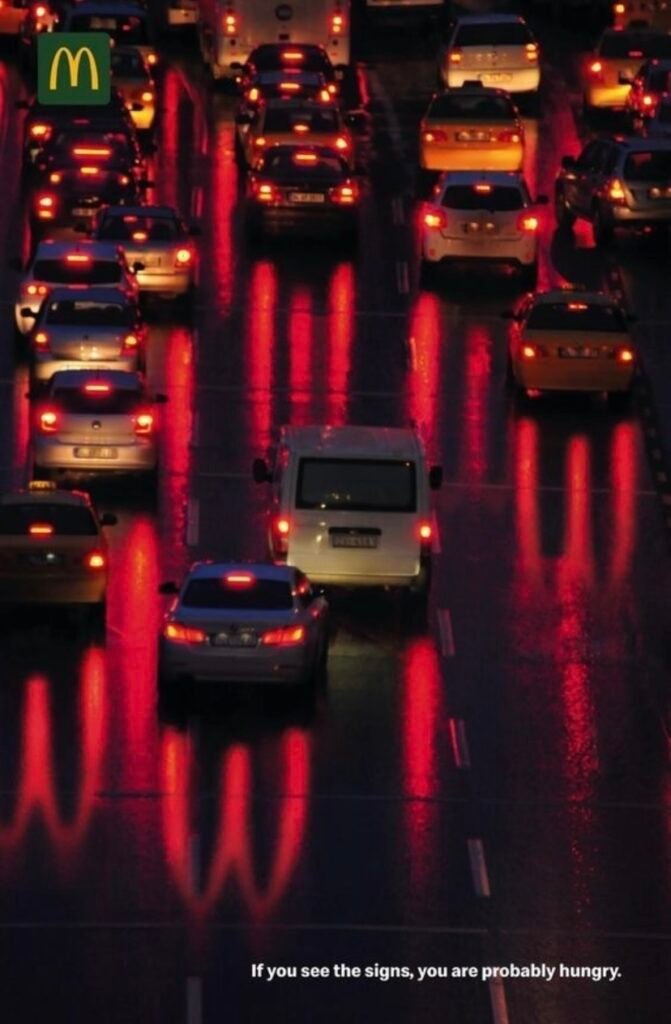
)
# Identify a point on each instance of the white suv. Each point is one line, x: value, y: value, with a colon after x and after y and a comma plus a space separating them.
x: 498, y: 50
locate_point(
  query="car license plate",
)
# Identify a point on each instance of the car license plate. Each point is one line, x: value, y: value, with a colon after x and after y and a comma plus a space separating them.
x: 495, y: 76
x: 306, y: 197
x: 83, y: 211
x: 473, y: 136
x: 235, y: 640
x: 571, y: 352
x: 96, y: 451
x: 353, y: 540
x: 44, y: 558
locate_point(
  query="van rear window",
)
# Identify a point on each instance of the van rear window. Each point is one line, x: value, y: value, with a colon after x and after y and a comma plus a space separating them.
x: 260, y: 596
x: 357, y: 485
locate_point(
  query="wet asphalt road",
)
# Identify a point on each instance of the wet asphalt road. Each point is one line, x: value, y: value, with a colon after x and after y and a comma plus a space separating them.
x: 492, y: 790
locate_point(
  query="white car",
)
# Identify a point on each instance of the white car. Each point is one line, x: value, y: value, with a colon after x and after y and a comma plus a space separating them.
x: 498, y: 50
x: 68, y: 263
x: 484, y: 218
x: 244, y: 622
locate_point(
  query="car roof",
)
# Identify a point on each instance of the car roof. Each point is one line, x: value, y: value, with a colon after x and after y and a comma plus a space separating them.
x: 119, y: 380
x: 361, y: 442
x: 140, y: 211
x: 92, y: 293
x: 509, y: 178
x: 262, y: 570
x: 574, y: 295
x: 49, y: 496
x: 488, y: 19
x: 275, y: 75
x: 50, y: 249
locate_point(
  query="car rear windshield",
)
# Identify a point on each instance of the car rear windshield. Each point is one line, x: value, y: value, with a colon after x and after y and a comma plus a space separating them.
x: 307, y: 79
x: 66, y: 520
x: 317, y: 120
x: 273, y: 58
x: 128, y: 65
x: 147, y: 229
x: 635, y: 45
x: 468, y: 197
x: 648, y: 166
x: 125, y: 30
x: 91, y: 272
x: 261, y: 595
x: 116, y: 402
x: 358, y: 485
x: 493, y: 34
x: 81, y: 312
x: 291, y: 161
x: 576, y: 316
x: 459, y: 106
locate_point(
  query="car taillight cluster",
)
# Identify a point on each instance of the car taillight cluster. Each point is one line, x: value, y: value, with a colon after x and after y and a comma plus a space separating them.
x: 425, y: 534
x: 280, y: 536
x: 183, y: 258
x: 143, y: 423
x: 264, y: 191
x: 624, y: 355
x: 342, y: 143
x: 337, y: 23
x: 230, y: 24
x: 435, y: 219
x: 40, y: 131
x: 131, y: 343
x: 344, y: 195
x: 36, y: 289
x: 287, y: 636
x: 527, y: 223
x: 49, y: 421
x: 179, y: 634
x: 615, y: 191
x: 531, y: 52
x: 45, y: 206
x: 455, y: 56
x: 434, y: 135
x: 95, y: 560
x: 41, y: 341
x: 596, y: 71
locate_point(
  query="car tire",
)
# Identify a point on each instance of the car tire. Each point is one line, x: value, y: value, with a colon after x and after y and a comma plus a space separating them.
x: 564, y: 216
x: 604, y: 234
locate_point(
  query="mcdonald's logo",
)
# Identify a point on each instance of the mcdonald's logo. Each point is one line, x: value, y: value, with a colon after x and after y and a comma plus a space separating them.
x: 73, y: 68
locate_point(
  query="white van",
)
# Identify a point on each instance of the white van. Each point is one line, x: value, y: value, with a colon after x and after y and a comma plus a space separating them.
x: 228, y: 30
x: 350, y: 505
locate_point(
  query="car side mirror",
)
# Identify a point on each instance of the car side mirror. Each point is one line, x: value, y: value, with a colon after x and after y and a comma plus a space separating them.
x: 168, y: 587
x: 160, y: 399
x: 27, y: 312
x: 260, y: 471
x: 108, y: 519
x: 568, y: 163
x: 541, y: 200
x: 435, y: 477
x: 243, y: 118
x: 16, y: 263
x: 624, y: 78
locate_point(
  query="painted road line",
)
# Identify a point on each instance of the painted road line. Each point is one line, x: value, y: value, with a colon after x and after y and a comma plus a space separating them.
x: 192, y: 522
x: 459, y: 741
x: 476, y: 856
x: 194, y: 1000
x: 402, y: 277
x: 447, y: 648
x: 497, y: 998
x: 397, y: 211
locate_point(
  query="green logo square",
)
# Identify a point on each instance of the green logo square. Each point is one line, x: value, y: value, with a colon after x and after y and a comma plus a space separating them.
x: 73, y: 67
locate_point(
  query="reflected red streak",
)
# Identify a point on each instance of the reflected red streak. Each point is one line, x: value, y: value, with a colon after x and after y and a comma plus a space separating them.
x: 176, y: 427
x: 624, y: 478
x: 233, y: 850
x: 261, y: 349
x: 577, y: 561
x: 424, y: 375
x: 134, y: 610
x: 342, y: 300
x: 36, y: 790
x: 475, y: 414
x: 166, y: 176
x: 527, y: 498
x: 422, y: 713
x: 223, y: 191
x: 21, y: 421
x: 300, y: 352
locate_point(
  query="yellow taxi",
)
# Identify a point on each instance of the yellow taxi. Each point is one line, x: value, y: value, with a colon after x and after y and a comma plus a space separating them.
x: 571, y: 340
x: 287, y: 121
x: 610, y: 69
x: 52, y: 548
x: 651, y: 13
x: 471, y: 129
x: 132, y: 78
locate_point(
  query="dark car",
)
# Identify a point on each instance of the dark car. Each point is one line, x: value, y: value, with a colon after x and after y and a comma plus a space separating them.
x: 308, y: 189
x: 281, y: 56
x: 649, y: 84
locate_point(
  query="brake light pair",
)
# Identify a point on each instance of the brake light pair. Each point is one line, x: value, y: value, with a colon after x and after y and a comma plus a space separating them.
x: 435, y: 219
x: 345, y: 195
x: 531, y: 52
x: 264, y: 192
x: 45, y: 206
x: 143, y: 423
x: 230, y: 24
x: 36, y: 289
x: 280, y: 535
x: 596, y: 71
x: 337, y: 24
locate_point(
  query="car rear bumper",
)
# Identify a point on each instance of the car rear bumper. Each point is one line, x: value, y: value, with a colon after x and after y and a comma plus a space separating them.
x: 522, y: 80
x: 16, y: 589
x: 220, y: 664
x: 572, y: 375
x: 45, y: 368
x: 490, y: 250
x: 130, y: 458
x: 328, y: 219
x: 475, y: 158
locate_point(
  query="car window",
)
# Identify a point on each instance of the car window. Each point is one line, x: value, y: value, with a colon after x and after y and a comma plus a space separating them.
x: 115, y: 402
x: 287, y: 120
x: 376, y: 485
x: 576, y: 316
x: 466, y: 106
x: 66, y: 520
x: 493, y: 34
x: 470, y: 197
x: 125, y: 30
x: 648, y: 166
x: 129, y: 227
x: 588, y: 159
x: 86, y: 313
x: 291, y: 160
x: 259, y: 595
x: 91, y: 272
x: 635, y: 45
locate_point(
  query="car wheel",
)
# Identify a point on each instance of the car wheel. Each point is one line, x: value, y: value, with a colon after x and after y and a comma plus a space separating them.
x: 604, y: 234
x: 564, y: 216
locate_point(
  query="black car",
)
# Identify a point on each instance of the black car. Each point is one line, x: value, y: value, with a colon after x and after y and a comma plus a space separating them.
x: 283, y: 56
x: 308, y: 189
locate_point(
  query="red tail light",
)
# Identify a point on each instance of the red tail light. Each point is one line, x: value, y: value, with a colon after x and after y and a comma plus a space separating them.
x: 345, y: 195
x: 55, y: 178
x: 324, y: 96
x: 281, y: 528
x: 179, y: 634
x: 77, y: 257
x: 425, y: 532
x: 531, y: 51
x: 260, y: 142
x: 292, y: 56
x: 95, y: 560
x: 97, y: 389
x: 253, y: 95
x: 616, y: 192
x: 527, y: 222
x: 40, y: 11
x: 337, y: 24
x: 45, y: 206
x: 239, y: 579
x: 435, y: 219
x: 455, y: 56
x: 183, y: 257
x: 264, y: 192
x: 139, y: 236
x: 147, y: 97
x: 508, y: 135
x: 103, y: 151
x: 131, y: 343
x: 40, y: 529
x: 143, y: 423
x: 41, y: 341
x: 289, y: 636
x: 230, y: 24
x: 618, y: 8
x: 290, y: 87
x: 40, y: 131
x: 49, y: 421
x: 341, y: 143
x: 529, y: 351
x: 625, y: 355
x: 596, y: 70
x: 36, y: 289
x: 434, y: 135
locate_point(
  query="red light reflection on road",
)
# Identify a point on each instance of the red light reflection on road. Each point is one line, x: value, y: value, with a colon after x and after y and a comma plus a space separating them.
x: 300, y: 353
x: 423, y: 378
x: 578, y: 559
x: 527, y: 501
x: 37, y: 784
x: 233, y: 847
x: 21, y: 422
x: 422, y: 713
x: 624, y: 479
x: 260, y: 334
x: 223, y: 192
x: 342, y: 301
x: 166, y: 176
x: 475, y: 409
x: 176, y: 427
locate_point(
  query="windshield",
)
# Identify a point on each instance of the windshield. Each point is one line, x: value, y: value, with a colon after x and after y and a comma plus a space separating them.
x: 373, y: 485
x: 316, y: 120
x: 576, y: 316
x: 66, y: 520
x: 466, y: 107
x: 260, y: 595
x: 115, y: 402
x: 81, y: 312
x: 90, y: 272
x: 468, y: 197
